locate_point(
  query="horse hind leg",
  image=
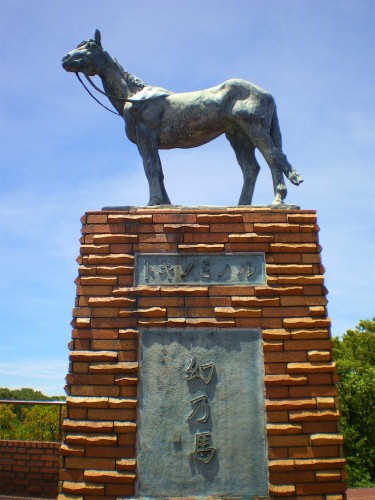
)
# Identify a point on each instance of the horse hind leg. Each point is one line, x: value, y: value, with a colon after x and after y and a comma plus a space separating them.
x: 273, y: 156
x: 245, y: 154
x: 275, y: 133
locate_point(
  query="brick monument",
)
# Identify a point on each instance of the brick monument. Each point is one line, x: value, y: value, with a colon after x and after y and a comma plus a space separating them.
x: 200, y: 359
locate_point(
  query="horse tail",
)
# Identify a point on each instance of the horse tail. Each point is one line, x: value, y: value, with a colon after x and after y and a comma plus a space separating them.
x: 275, y: 130
x: 285, y: 166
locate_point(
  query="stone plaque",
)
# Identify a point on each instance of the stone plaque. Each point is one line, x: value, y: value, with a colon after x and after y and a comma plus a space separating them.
x: 201, y: 414
x: 199, y: 269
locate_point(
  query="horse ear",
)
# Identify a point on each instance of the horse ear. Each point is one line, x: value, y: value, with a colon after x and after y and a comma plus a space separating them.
x: 98, y: 38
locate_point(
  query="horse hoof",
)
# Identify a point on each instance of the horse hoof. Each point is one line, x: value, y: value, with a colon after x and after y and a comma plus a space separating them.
x: 156, y: 202
x: 295, y: 178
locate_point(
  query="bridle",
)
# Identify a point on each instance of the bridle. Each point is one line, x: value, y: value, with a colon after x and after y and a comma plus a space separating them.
x: 124, y: 99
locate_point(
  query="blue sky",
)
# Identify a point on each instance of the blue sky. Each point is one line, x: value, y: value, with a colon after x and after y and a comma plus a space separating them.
x: 61, y: 154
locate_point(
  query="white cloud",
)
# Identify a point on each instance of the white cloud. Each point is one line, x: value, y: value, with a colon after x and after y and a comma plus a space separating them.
x: 44, y: 375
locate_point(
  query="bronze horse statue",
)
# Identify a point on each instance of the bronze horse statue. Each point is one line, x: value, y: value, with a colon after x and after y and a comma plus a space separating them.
x: 156, y: 118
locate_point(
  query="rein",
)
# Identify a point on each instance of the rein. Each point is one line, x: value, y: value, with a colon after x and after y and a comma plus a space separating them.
x: 107, y: 95
x: 95, y: 99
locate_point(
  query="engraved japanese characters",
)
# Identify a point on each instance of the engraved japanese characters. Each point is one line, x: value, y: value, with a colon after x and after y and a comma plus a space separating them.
x: 189, y: 269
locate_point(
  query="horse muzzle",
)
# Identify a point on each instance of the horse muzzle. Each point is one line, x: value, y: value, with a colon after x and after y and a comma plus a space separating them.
x: 73, y: 65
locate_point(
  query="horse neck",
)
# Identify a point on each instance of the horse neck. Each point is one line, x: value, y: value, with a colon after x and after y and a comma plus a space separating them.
x: 118, y: 82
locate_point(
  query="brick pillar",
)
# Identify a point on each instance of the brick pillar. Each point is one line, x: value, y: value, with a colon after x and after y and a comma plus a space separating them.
x: 305, y: 456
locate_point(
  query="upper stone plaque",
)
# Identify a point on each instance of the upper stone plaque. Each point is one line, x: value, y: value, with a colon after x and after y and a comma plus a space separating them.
x: 196, y: 269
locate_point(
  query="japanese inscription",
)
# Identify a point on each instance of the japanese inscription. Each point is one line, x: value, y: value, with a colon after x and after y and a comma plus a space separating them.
x: 201, y: 402
x: 203, y: 451
x: 201, y: 413
x: 193, y: 269
x: 204, y: 372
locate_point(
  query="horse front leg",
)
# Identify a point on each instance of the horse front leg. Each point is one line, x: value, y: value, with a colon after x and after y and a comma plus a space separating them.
x: 148, y: 149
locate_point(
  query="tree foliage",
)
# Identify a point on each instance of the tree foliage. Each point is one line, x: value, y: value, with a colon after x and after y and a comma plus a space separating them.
x: 355, y: 357
x: 8, y: 422
x: 25, y: 422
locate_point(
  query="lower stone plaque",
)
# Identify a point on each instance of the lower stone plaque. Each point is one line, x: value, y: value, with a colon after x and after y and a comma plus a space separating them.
x: 201, y: 414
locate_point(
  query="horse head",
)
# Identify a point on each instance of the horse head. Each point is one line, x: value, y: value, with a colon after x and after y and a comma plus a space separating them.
x: 87, y: 57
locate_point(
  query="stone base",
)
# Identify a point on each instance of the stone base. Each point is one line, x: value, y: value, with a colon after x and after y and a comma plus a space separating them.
x: 304, y: 447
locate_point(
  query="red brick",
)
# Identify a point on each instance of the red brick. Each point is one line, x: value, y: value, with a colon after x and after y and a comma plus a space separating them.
x: 85, y: 333
x: 110, y: 451
x: 195, y: 291
x: 277, y: 416
x: 292, y: 477
x: 303, y: 301
x: 277, y: 453
x: 160, y: 302
x: 273, y: 345
x: 289, y: 356
x: 323, y: 488
x: 277, y: 392
x: 247, y: 247
x: 302, y: 237
x: 281, y: 312
x: 313, y: 367
x: 314, y: 452
x: 299, y: 345
x: 120, y: 490
x: 284, y: 429
x: 115, y: 238
x: 319, y: 379
x: 318, y: 427
x: 96, y: 219
x: 186, y: 228
x: 201, y: 322
x: 128, y: 355
x: 282, y: 490
x: 94, y: 290
x: 207, y: 301
x: 219, y: 218
x: 292, y: 440
x: 290, y: 404
x: 129, y: 218
x: 283, y: 379
x: 275, y: 368
x: 284, y: 258
x: 250, y: 238
x: 261, y: 291
x: 310, y: 333
x: 264, y: 215
x: 196, y: 312
x: 95, y: 390
x: 205, y: 238
x: 313, y: 390
x: 201, y: 248
x: 176, y: 218
x: 312, y: 415
x: 109, y: 476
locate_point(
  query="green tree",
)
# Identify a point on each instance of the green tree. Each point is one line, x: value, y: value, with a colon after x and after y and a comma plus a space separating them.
x: 8, y: 422
x: 41, y: 423
x: 355, y: 357
x: 34, y: 423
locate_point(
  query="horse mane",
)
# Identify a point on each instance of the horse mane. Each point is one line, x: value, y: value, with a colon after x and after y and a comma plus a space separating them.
x: 126, y: 84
